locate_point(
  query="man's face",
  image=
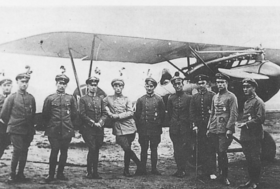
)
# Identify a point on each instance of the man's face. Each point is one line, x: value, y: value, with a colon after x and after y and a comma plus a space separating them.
x: 23, y: 84
x: 221, y: 84
x: 149, y: 88
x: 92, y: 87
x: 61, y: 86
x: 248, y: 90
x: 178, y: 85
x: 201, y: 84
x: 118, y: 88
x: 7, y: 88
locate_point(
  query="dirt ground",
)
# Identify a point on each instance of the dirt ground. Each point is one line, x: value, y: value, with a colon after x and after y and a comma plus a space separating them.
x: 111, y: 166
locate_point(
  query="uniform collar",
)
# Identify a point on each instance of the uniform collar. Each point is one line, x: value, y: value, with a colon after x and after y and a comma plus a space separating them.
x: 223, y: 91
x: 150, y: 95
x: 92, y: 95
x: 60, y: 93
x: 179, y: 93
x: 251, y: 96
x: 118, y: 95
x: 202, y: 91
x: 21, y: 92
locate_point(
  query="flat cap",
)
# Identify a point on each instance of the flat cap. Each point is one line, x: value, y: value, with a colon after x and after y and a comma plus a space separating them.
x: 92, y: 79
x: 221, y: 76
x: 118, y: 81
x: 151, y: 80
x: 201, y: 77
x: 176, y: 78
x: 249, y: 81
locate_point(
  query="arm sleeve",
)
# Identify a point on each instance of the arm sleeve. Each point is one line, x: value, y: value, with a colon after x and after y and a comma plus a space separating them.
x: 104, y: 114
x: 161, y: 111
x: 33, y: 110
x: 129, y: 110
x: 192, y: 111
x: 233, y: 114
x: 46, y: 112
x: 260, y: 115
x: 83, y: 115
x: 74, y: 111
x: 212, y: 113
x: 7, y: 109
x: 138, y: 111
x: 169, y: 108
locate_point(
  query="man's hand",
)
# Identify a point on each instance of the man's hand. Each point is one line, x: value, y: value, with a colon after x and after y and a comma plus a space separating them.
x: 208, y: 133
x: 92, y: 123
x: 98, y: 125
x: 195, y: 129
x: 240, y: 125
x: 115, y: 116
x: 229, y: 134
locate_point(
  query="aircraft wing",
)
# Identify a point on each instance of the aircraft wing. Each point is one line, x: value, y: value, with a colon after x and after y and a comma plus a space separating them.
x: 242, y: 74
x: 101, y: 47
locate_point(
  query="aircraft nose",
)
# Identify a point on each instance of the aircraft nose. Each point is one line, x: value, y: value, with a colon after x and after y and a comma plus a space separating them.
x: 270, y: 69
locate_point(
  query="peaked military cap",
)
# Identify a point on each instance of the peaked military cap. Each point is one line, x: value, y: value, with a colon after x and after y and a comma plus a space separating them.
x: 25, y: 75
x: 249, y: 81
x: 151, y: 80
x: 201, y: 77
x: 92, y: 79
x: 176, y: 78
x: 118, y: 81
x: 221, y: 76
x: 5, y: 81
x: 62, y: 77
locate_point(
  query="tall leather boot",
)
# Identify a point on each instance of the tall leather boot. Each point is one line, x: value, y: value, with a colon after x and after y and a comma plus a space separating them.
x: 95, y: 165
x: 144, y: 161
x: 224, y: 168
x: 126, y: 164
x: 52, y: 166
x: 154, y: 157
x: 89, y: 164
x: 21, y: 166
x: 14, y: 163
x: 61, y: 165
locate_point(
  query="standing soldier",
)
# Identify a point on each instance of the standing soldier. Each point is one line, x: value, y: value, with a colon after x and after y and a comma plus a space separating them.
x: 7, y: 86
x: 119, y: 108
x: 221, y: 124
x: 59, y: 112
x: 93, y: 115
x: 178, y: 106
x: 252, y: 132
x: 18, y: 113
x: 200, y: 109
x: 149, y: 117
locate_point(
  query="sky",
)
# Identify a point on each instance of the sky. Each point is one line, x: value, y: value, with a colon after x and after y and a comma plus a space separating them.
x: 228, y: 25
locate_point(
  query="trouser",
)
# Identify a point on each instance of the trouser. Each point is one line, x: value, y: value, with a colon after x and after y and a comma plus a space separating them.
x: 94, y: 143
x: 4, y: 142
x: 21, y: 144
x: 205, y: 156
x: 182, y: 149
x: 62, y: 145
x: 219, y: 143
x: 125, y: 142
x: 252, y: 152
x: 144, y: 141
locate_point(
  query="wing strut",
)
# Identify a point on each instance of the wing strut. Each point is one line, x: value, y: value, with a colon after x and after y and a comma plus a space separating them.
x: 176, y: 67
x: 75, y: 72
x: 92, y: 54
x: 198, y: 57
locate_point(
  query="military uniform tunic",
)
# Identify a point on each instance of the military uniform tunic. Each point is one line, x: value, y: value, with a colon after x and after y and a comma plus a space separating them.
x: 149, y: 115
x: 59, y: 112
x: 200, y: 109
x: 252, y: 134
x: 4, y: 137
x: 178, y: 110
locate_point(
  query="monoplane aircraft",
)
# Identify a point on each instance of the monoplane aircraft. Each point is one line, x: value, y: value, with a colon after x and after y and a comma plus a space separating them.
x: 238, y: 62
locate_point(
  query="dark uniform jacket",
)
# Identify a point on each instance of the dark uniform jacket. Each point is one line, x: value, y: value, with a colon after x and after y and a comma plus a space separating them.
x: 121, y: 106
x: 200, y: 109
x: 92, y: 108
x: 178, y: 106
x: 3, y: 127
x: 253, y: 116
x: 224, y: 112
x: 59, y: 111
x: 149, y: 114
x: 19, y: 112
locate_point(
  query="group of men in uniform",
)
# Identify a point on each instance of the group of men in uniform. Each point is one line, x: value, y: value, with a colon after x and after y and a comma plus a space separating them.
x: 212, y: 115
